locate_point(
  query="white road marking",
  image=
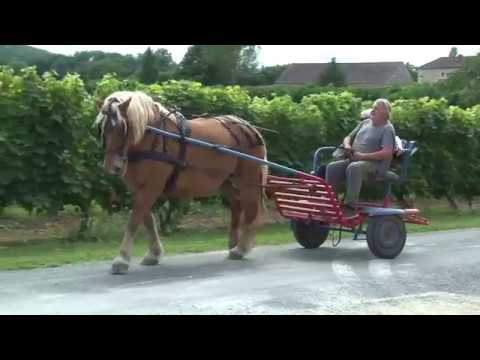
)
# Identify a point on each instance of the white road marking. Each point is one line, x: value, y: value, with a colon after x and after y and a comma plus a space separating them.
x: 344, y: 271
x: 48, y: 297
x: 380, y: 269
x: 428, y: 303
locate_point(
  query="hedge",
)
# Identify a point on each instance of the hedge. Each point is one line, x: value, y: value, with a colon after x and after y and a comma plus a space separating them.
x: 49, y: 156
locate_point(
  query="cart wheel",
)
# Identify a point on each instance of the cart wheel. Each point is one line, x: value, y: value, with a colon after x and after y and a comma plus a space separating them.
x: 386, y: 236
x: 309, y: 234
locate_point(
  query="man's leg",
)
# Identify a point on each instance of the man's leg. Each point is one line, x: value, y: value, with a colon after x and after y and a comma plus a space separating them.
x: 356, y: 173
x: 335, y: 173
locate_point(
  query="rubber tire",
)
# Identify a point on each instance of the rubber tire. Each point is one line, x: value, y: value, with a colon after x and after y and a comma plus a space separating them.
x: 310, y: 235
x: 386, y: 236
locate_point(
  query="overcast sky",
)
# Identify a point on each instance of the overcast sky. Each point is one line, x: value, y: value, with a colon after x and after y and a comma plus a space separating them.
x: 286, y: 54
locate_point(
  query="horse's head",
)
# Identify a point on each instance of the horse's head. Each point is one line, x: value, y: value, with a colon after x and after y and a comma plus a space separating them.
x: 121, y: 122
x: 112, y: 125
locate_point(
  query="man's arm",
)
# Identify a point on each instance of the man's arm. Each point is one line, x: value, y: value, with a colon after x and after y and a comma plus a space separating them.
x: 348, y: 140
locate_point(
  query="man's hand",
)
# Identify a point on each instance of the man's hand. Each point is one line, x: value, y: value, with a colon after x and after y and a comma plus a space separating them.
x: 348, y: 153
x: 358, y: 156
x: 346, y: 143
x: 384, y: 154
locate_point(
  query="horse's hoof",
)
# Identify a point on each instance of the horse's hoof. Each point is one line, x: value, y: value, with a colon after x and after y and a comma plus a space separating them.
x: 150, y: 260
x: 235, y: 254
x: 120, y: 266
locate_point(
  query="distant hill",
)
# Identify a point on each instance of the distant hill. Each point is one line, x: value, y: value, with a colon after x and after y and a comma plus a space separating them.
x: 90, y: 65
x: 24, y: 55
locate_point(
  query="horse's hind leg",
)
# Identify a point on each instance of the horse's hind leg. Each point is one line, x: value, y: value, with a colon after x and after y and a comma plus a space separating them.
x: 250, y: 202
x: 235, y: 231
x: 232, y: 196
x: 155, y: 251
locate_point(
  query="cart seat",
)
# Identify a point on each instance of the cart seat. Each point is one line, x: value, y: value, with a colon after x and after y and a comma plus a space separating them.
x: 402, y: 162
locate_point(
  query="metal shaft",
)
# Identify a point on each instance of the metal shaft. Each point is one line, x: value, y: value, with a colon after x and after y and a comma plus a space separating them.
x: 226, y: 150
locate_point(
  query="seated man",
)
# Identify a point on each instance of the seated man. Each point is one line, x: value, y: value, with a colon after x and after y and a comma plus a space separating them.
x: 368, y: 158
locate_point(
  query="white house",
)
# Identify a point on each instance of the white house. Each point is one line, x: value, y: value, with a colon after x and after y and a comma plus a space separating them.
x: 440, y: 68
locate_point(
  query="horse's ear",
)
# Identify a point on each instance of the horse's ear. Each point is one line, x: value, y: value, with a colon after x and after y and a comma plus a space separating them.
x: 99, y: 104
x: 124, y: 105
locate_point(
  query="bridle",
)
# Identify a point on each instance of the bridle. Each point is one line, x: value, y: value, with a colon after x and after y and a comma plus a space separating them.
x: 111, y: 121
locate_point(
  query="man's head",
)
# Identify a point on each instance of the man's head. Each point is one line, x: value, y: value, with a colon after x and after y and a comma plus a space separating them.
x: 381, y: 111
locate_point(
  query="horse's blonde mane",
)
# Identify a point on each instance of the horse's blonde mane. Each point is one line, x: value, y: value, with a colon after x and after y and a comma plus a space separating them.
x: 142, y: 111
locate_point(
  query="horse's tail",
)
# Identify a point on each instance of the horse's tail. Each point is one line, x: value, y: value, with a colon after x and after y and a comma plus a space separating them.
x: 263, y: 195
x: 264, y: 171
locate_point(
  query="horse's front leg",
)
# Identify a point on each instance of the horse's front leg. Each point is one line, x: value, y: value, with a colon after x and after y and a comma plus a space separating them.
x: 156, y: 250
x: 142, y: 204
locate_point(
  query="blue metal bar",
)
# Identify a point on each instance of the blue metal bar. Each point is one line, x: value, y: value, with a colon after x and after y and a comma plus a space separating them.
x: 226, y: 150
x: 320, y: 152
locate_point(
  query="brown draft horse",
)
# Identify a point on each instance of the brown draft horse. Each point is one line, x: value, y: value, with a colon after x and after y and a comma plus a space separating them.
x: 153, y: 167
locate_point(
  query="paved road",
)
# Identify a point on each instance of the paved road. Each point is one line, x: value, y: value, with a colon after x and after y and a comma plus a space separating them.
x: 437, y: 273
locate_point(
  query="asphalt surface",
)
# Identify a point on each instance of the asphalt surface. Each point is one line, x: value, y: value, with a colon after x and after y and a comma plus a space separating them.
x: 437, y: 273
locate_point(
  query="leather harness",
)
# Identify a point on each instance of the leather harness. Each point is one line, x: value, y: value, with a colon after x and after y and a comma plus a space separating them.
x: 179, y: 163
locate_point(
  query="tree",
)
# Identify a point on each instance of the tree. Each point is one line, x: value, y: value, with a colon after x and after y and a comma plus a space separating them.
x: 164, y: 60
x: 18, y: 65
x: 267, y: 75
x: 193, y: 65
x: 148, y: 73
x: 93, y: 65
x: 333, y: 75
x: 413, y: 72
x: 248, y: 60
x: 247, y: 72
x: 218, y: 64
x: 462, y: 87
x: 453, y: 52
x: 165, y: 64
x: 222, y: 63
x: 270, y: 74
x: 62, y: 65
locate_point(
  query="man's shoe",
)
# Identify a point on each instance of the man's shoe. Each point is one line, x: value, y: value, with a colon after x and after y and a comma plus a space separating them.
x: 349, y: 211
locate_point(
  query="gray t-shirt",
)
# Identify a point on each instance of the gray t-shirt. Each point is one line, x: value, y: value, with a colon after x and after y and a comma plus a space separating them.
x: 372, y: 138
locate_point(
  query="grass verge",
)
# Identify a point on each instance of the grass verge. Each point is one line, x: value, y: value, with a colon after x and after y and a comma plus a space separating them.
x: 57, y: 252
